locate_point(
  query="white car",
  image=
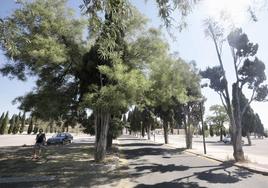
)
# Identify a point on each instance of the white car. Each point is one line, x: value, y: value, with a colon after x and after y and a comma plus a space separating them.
x: 227, y: 140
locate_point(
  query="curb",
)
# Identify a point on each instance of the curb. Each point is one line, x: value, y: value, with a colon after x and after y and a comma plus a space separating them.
x: 265, y: 173
x: 234, y: 164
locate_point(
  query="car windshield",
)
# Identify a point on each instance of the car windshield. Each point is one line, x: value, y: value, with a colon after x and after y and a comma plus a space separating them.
x: 59, y: 135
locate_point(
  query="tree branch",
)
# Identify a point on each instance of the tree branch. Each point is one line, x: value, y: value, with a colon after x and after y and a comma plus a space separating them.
x: 222, y: 101
x: 249, y: 102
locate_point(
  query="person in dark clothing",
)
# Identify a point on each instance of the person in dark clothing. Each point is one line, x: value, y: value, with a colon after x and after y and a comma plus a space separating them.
x: 39, y: 144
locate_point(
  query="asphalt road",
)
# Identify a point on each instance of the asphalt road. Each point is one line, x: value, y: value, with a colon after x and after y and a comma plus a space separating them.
x: 156, y: 165
x: 259, y: 146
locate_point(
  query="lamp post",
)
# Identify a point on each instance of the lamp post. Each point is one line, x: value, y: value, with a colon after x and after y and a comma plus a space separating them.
x: 202, y: 122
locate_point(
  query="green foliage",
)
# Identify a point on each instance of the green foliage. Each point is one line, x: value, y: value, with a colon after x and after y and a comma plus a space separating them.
x: 116, y: 126
x: 211, y: 131
x: 30, y: 127
x: 2, y: 119
x: 16, y: 125
x: 218, y: 118
x: 88, y: 124
x: 134, y: 118
x: 4, y: 124
x: 23, y: 119
x: 51, y: 49
x: 166, y: 8
x: 11, y: 124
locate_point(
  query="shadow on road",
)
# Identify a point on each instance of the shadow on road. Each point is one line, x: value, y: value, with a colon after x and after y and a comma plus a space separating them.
x: 171, y: 185
x: 221, y: 173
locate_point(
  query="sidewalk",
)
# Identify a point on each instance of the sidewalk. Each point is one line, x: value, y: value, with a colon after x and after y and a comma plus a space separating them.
x: 256, y: 163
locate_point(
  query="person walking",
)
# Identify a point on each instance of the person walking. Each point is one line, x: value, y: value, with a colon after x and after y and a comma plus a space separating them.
x: 39, y: 144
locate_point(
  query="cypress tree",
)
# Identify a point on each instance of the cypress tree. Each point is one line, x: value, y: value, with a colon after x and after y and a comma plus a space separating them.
x: 22, y: 123
x: 12, y: 124
x: 4, y: 124
x: 30, y: 128
x: 211, y: 131
x: 16, y: 125
x: 36, y: 127
x: 1, y: 120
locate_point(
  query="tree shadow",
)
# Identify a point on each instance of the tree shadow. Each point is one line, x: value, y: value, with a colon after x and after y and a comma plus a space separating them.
x: 162, y: 168
x: 171, y: 185
x: 139, y: 152
x: 140, y: 144
x: 69, y: 165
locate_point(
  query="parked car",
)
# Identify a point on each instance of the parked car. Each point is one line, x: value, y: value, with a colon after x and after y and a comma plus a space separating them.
x: 60, y: 138
x: 227, y: 140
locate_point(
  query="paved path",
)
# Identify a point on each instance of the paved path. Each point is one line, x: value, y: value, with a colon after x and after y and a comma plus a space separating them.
x: 157, y: 165
x: 256, y: 155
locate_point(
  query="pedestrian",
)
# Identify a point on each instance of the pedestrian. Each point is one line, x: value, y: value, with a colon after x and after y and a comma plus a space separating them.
x: 39, y: 144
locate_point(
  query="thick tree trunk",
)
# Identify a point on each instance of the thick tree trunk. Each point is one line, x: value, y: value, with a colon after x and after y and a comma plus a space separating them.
x: 248, y: 137
x: 165, y: 126
x: 102, y: 119
x: 149, y: 132
x: 237, y: 132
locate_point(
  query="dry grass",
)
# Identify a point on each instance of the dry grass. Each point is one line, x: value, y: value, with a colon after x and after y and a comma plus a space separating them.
x: 69, y: 165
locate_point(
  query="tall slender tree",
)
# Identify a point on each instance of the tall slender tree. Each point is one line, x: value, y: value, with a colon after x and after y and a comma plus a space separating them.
x: 23, y: 119
x: 30, y: 127
x: 4, y: 124
x: 248, y: 69
x: 2, y: 119
x: 11, y: 124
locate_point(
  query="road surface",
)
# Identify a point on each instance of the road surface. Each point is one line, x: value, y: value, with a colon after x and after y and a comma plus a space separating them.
x: 156, y: 165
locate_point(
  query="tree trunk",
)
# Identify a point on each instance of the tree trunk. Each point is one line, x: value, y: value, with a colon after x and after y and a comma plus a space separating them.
x: 237, y: 132
x: 165, y: 126
x: 172, y: 130
x: 248, y: 137
x: 149, y: 132
x: 221, y: 134
x: 142, y: 130
x: 188, y: 134
x: 102, y: 119
x: 109, y: 141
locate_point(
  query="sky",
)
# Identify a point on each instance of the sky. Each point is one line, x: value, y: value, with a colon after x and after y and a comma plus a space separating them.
x: 191, y: 43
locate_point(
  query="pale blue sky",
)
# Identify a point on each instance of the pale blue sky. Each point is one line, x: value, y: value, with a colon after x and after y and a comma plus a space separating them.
x: 191, y: 44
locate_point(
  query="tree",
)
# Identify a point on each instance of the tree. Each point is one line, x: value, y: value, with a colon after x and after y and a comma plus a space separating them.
x: 211, y: 131
x: 259, y: 129
x: 51, y: 49
x: 135, y: 120
x: 218, y: 118
x: 167, y: 87
x: 4, y: 124
x: 11, y: 124
x: 248, y: 72
x: 2, y: 119
x: 114, y: 83
x: 22, y: 123
x: 16, y: 124
x: 30, y: 127
x: 36, y: 127
x: 189, y: 113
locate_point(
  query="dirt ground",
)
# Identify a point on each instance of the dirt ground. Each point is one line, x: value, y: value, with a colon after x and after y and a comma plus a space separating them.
x: 60, y: 166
